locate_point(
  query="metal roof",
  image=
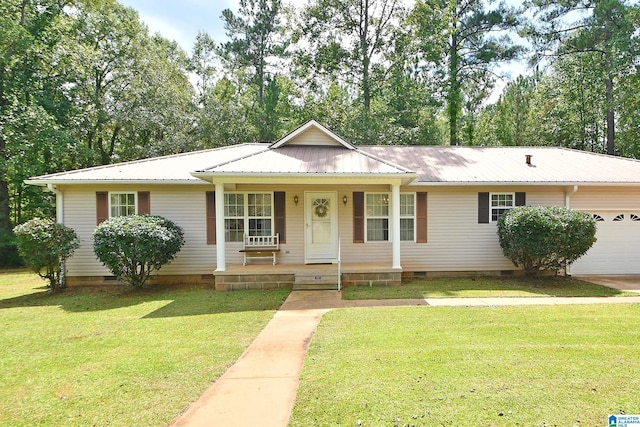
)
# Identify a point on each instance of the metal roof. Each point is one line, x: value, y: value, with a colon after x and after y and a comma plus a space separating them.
x: 310, y: 159
x: 504, y: 165
x: 420, y: 165
x: 168, y: 169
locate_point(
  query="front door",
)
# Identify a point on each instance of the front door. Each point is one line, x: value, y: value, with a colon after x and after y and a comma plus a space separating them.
x: 321, y: 218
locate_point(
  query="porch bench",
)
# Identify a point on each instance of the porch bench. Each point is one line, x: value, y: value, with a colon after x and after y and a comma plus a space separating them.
x: 266, y: 247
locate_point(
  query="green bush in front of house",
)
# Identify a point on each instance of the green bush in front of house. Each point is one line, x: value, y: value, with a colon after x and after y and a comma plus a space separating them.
x: 134, y: 246
x: 44, y: 245
x: 545, y: 237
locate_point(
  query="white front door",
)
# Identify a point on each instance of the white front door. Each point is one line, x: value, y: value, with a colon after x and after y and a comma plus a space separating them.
x: 321, y: 220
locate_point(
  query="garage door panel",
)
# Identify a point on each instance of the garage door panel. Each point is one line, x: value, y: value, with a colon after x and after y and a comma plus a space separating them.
x: 618, y: 246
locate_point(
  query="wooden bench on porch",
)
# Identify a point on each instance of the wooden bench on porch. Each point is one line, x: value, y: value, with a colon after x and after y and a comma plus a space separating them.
x: 266, y: 247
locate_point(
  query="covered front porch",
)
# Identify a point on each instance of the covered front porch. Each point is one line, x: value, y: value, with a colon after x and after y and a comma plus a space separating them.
x: 301, y: 276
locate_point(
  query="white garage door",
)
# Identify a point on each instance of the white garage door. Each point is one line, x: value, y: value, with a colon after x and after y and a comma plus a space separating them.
x: 617, y: 250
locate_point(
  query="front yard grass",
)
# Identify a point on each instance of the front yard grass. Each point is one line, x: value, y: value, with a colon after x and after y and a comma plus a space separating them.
x: 482, y: 366
x: 483, y: 287
x: 117, y: 356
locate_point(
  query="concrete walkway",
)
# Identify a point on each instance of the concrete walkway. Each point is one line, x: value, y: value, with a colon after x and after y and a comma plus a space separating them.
x: 260, y: 388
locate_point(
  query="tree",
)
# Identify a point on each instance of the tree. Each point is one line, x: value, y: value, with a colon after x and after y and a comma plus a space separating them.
x: 604, y: 28
x: 348, y: 41
x: 29, y: 35
x: 134, y: 246
x: 256, y: 45
x: 457, y: 42
x: 44, y: 245
x: 545, y: 237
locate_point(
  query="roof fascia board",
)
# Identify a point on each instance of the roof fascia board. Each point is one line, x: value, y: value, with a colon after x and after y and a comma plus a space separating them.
x: 44, y: 182
x: 520, y: 183
x: 306, y: 126
x: 310, y: 179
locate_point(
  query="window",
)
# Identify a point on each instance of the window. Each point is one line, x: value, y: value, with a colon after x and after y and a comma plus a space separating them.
x: 247, y: 213
x: 377, y: 217
x: 499, y: 204
x: 407, y: 217
x: 597, y: 217
x: 122, y: 204
x: 619, y: 217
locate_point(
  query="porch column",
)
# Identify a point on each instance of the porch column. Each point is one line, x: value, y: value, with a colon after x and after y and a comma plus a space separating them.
x: 395, y: 225
x: 221, y: 264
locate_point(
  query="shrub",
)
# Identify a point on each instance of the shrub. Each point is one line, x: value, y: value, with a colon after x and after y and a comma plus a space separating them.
x: 545, y: 238
x: 134, y: 246
x: 45, y: 245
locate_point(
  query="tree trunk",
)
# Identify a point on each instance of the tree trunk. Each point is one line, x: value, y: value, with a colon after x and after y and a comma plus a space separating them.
x: 611, y: 124
x: 453, y: 100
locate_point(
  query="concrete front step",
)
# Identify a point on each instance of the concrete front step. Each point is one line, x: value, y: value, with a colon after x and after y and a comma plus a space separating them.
x: 325, y: 287
x: 317, y: 281
x: 310, y: 278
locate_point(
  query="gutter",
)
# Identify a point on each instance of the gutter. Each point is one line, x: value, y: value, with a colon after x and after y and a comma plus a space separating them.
x: 59, y: 203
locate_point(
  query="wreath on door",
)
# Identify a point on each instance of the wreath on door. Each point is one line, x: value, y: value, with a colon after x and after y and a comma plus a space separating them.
x: 321, y: 207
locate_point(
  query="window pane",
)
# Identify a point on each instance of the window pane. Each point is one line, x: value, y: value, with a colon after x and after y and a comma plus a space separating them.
x: 377, y: 230
x: 122, y: 204
x: 259, y: 204
x: 233, y: 230
x: 378, y: 205
x: 406, y: 229
x: 260, y: 227
x: 407, y: 205
x: 233, y: 205
x: 502, y: 200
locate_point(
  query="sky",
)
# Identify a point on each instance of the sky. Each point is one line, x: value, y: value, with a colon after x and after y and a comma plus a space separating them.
x: 180, y: 20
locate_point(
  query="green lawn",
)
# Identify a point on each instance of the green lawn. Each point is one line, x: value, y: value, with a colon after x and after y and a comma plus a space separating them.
x: 506, y: 366
x: 484, y: 287
x: 116, y: 356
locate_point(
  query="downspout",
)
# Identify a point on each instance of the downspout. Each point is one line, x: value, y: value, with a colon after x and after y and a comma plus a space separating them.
x: 567, y: 196
x: 567, y: 204
x: 59, y: 203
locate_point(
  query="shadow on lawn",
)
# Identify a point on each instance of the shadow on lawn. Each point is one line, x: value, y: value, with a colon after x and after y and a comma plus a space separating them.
x: 183, y: 301
x: 557, y: 286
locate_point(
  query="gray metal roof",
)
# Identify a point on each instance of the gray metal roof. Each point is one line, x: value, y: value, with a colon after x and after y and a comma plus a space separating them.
x: 168, y: 169
x: 309, y: 159
x: 503, y: 165
x: 423, y: 165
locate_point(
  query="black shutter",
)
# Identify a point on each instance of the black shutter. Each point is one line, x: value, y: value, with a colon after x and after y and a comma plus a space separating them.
x: 358, y: 217
x: 521, y: 199
x: 102, y: 207
x: 144, y: 203
x: 279, y: 210
x: 211, y: 217
x: 483, y: 208
x: 421, y: 217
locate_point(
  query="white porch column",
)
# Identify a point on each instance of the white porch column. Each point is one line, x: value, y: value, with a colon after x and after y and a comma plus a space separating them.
x: 395, y: 225
x: 221, y: 264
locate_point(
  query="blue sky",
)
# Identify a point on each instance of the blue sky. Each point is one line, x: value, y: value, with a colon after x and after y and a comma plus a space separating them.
x: 180, y: 20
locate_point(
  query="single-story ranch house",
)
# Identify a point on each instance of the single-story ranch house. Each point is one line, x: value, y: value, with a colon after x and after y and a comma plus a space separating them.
x: 312, y: 201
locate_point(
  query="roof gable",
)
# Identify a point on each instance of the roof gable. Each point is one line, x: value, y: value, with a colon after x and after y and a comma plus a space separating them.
x: 312, y: 133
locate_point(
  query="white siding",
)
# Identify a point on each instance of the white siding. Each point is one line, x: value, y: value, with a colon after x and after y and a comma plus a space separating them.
x: 313, y: 136
x: 606, y: 198
x: 185, y: 205
x: 456, y: 242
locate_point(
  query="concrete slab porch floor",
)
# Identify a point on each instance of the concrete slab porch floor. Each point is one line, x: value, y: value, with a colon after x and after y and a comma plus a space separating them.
x: 260, y: 388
